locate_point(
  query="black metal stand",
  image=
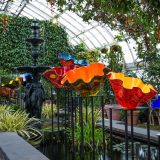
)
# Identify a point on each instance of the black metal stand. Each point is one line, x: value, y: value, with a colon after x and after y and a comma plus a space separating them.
x: 111, y: 137
x: 103, y: 127
x: 72, y: 127
x: 93, y: 143
x: 65, y: 123
x: 82, y: 135
x: 58, y: 125
x: 52, y: 113
x: 132, y: 140
x: 148, y: 133
x: 158, y: 146
x: 126, y: 135
x: 86, y: 103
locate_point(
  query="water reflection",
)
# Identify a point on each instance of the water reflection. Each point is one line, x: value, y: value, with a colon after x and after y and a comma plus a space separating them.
x: 60, y: 152
x: 143, y: 152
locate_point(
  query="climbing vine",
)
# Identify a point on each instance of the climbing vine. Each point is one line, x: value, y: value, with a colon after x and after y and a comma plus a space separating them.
x: 15, y: 51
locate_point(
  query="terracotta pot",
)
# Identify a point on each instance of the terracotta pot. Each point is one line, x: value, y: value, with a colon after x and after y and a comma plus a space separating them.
x: 115, y: 111
x: 135, y: 117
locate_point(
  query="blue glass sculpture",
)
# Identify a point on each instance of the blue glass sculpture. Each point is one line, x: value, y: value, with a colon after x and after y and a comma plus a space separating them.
x: 69, y: 57
x: 156, y: 102
x: 25, y: 75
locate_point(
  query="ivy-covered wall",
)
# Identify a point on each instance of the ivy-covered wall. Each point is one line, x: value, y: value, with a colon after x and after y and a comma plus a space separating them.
x: 15, y: 51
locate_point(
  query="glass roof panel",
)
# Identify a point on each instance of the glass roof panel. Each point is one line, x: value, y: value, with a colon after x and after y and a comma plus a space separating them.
x: 67, y: 24
x: 104, y: 32
x: 74, y: 42
x: 88, y: 36
x: 27, y: 15
x: 35, y: 13
x: 133, y: 46
x: 127, y: 52
x: 88, y: 43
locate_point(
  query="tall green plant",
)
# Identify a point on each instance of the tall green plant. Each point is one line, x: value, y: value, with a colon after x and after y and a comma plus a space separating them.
x: 87, y: 129
x: 47, y: 110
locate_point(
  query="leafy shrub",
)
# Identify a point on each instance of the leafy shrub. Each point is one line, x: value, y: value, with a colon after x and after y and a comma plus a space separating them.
x: 18, y: 121
x: 47, y: 110
x: 4, y: 108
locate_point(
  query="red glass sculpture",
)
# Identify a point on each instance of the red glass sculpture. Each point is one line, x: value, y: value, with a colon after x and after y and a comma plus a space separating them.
x: 68, y: 62
x: 86, y: 80
x: 68, y: 65
x: 55, y: 75
x: 130, y: 92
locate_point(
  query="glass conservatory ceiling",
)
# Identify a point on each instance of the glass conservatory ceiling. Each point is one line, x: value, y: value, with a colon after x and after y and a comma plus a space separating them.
x: 93, y: 34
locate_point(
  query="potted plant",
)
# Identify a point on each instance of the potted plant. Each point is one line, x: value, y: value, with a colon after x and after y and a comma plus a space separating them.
x: 135, y: 116
x: 115, y: 111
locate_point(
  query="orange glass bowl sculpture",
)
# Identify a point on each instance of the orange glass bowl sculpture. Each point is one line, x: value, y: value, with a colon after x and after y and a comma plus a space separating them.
x: 130, y: 92
x: 86, y: 80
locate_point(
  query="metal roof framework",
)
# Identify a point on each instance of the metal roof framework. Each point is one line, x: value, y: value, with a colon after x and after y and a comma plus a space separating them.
x: 93, y: 34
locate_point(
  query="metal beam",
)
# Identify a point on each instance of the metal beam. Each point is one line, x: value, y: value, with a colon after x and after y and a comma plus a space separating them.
x: 84, y: 31
x: 6, y: 6
x: 24, y: 5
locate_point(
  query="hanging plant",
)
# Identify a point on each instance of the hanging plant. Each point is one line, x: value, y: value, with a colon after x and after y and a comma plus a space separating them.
x: 116, y: 48
x: 89, y: 55
x: 115, y: 58
x: 104, y: 50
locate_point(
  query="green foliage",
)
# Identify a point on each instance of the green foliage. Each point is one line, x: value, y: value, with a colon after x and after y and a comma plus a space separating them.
x: 87, y: 130
x: 5, y: 108
x: 47, y: 87
x: 89, y: 55
x: 120, y: 147
x: 97, y: 114
x: 115, y: 58
x: 88, y: 136
x: 18, y: 121
x: 15, y: 51
x: 15, y: 107
x: 47, y: 111
x: 78, y: 48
